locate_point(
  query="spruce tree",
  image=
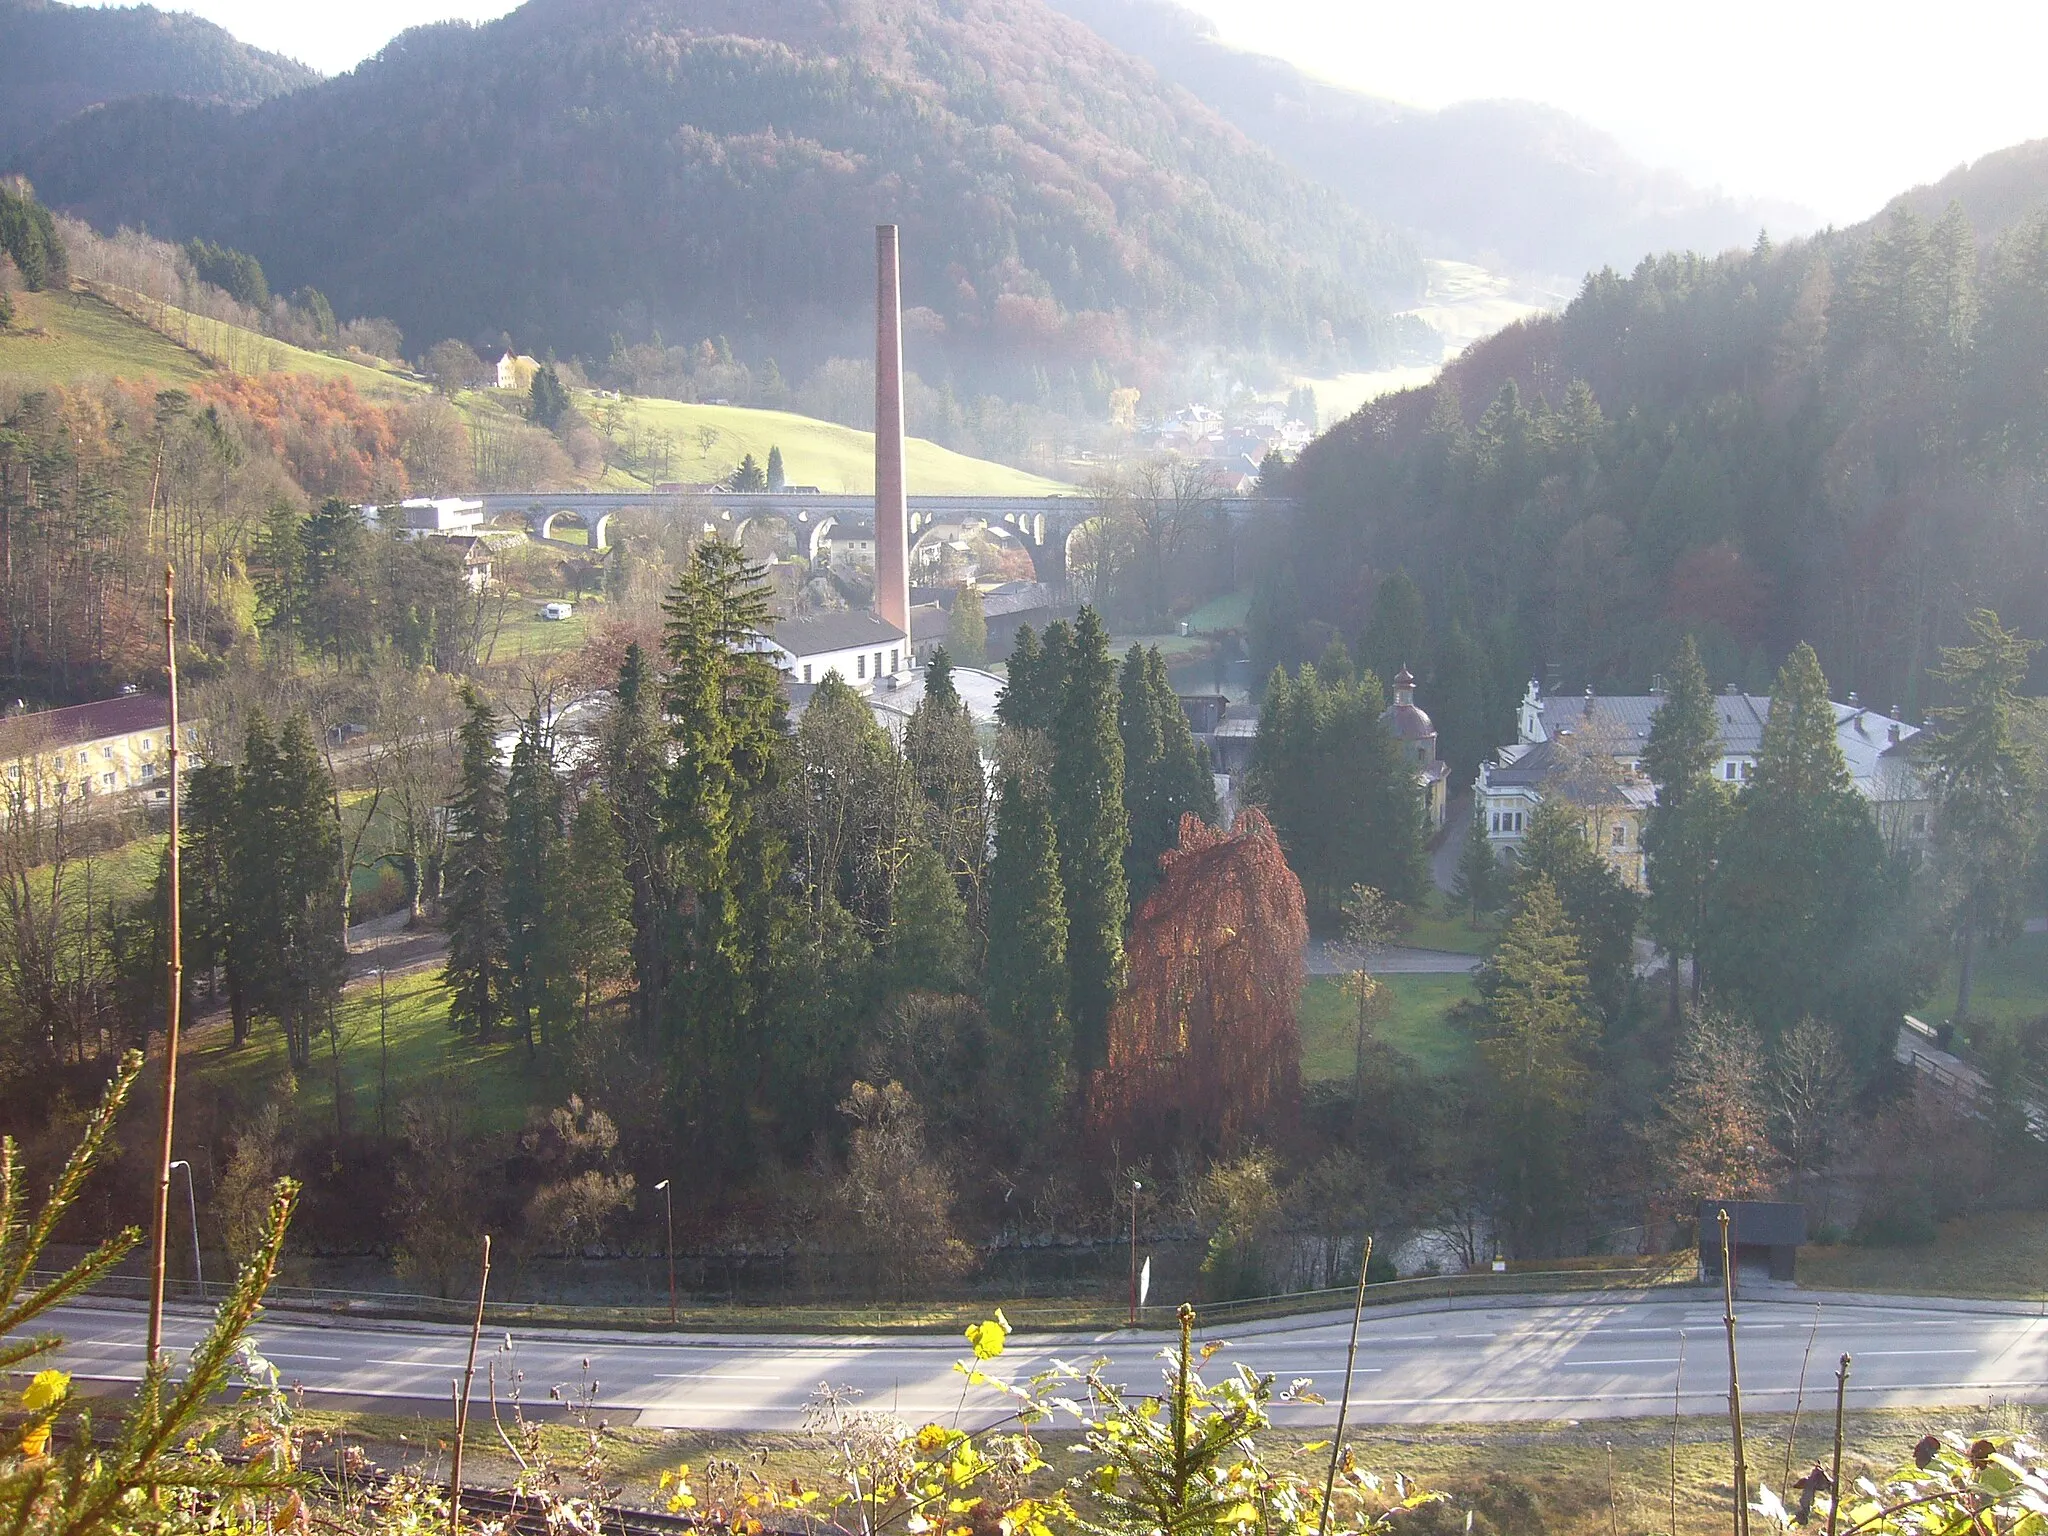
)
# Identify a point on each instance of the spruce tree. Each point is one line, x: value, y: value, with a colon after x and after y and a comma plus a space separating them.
x: 1478, y: 881
x: 547, y: 399
x: 1985, y: 781
x: 211, y: 919
x: 1088, y: 815
x: 930, y: 947
x: 1683, y: 838
x: 777, y: 476
x: 595, y: 905
x: 1801, y: 920
x: 1019, y: 706
x: 1558, y: 852
x: 634, y: 766
x: 945, y: 761
x: 536, y: 971
x: 1027, y: 978
x: 1166, y: 775
x: 476, y: 972
x: 1535, y: 1036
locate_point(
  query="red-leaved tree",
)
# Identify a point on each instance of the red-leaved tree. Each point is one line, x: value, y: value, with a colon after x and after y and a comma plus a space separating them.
x: 1204, y: 1052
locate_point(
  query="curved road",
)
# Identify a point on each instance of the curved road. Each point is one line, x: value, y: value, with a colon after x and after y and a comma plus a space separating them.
x: 1560, y: 1360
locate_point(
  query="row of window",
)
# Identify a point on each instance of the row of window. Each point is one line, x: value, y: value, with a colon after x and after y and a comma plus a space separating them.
x: 860, y: 665
x: 1507, y: 821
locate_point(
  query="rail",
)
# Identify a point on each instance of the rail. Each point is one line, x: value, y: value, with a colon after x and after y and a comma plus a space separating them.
x: 1080, y: 1316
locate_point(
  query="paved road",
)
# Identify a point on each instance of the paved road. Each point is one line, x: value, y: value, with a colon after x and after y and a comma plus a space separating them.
x: 1559, y: 1360
x: 1328, y: 959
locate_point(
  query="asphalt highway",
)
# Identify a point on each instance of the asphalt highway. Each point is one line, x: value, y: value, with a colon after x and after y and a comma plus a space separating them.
x: 1562, y: 1360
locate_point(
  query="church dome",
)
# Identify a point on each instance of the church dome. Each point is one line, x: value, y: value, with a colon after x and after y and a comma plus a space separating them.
x: 1402, y: 717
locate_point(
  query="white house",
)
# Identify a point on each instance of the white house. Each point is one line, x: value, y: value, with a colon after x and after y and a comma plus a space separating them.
x: 431, y: 517
x: 861, y: 648
x: 1508, y: 789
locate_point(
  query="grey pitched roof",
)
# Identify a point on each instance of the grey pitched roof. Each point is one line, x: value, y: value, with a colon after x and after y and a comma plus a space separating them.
x: 833, y: 632
x: 1625, y: 717
x: 49, y: 729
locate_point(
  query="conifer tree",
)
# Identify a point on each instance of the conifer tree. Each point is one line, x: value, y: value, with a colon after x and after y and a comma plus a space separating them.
x: 634, y: 767
x: 1088, y: 815
x: 1802, y: 901
x: 930, y: 947
x: 945, y: 761
x: 1986, y: 781
x: 476, y: 972
x: 1683, y: 838
x: 1166, y: 774
x: 536, y: 970
x: 1533, y: 1043
x: 1019, y: 705
x: 547, y: 399
x: 1558, y: 851
x: 288, y: 910
x: 596, y: 901
x: 1027, y: 958
x: 1478, y: 880
x: 211, y: 918
x: 777, y: 476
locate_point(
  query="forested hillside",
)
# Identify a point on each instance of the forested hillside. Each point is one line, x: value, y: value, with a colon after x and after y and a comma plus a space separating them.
x: 58, y: 60
x: 702, y: 168
x: 1838, y: 440
x: 1510, y: 183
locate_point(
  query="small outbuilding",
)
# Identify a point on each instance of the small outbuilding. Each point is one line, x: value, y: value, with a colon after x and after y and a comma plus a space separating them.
x: 1762, y: 1234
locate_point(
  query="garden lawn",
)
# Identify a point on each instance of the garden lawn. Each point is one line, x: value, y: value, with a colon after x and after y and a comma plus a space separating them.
x: 709, y: 441
x: 526, y: 633
x: 61, y: 338
x: 2002, y: 1255
x: 420, y: 1043
x: 1434, y: 927
x: 1226, y: 612
x: 1414, y: 1023
x: 2011, y: 984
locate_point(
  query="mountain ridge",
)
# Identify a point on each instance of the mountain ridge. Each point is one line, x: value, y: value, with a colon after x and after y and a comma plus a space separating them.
x: 59, y: 60
x: 622, y: 167
x: 1508, y: 183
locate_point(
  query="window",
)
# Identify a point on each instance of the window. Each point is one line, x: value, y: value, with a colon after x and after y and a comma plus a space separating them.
x: 84, y: 758
x: 807, y: 671
x: 107, y: 752
x: 1748, y: 772
x: 1728, y: 770
x: 1620, y: 835
x: 1919, y: 822
x: 148, y: 772
x: 860, y: 667
x: 1496, y: 821
x: 14, y: 770
x: 148, y: 745
x: 106, y: 781
x: 878, y: 663
x: 893, y: 667
x: 1518, y: 821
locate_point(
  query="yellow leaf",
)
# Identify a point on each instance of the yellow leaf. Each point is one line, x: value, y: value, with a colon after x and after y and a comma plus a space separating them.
x: 34, y: 1442
x: 44, y: 1390
x: 987, y: 1338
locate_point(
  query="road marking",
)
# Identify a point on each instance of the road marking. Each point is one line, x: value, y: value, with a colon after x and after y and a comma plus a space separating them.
x: 278, y: 1354
x: 1865, y: 1354
x: 712, y: 1376
x: 1589, y: 1365
x: 1475, y: 1335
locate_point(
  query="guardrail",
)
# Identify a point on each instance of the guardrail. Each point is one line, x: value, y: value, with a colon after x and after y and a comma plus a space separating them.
x: 934, y: 1317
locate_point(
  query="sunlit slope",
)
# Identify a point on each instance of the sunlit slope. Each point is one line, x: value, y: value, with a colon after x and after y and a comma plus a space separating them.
x: 706, y: 441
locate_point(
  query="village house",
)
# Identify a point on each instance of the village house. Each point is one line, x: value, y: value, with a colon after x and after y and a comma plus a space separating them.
x: 861, y: 648
x: 1589, y: 750
x: 105, y: 755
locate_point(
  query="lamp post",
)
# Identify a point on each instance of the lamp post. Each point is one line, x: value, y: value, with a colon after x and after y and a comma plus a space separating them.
x: 669, y: 1201
x: 1135, y: 1187
x: 192, y: 1204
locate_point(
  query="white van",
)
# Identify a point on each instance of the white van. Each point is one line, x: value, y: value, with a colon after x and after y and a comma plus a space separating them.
x: 553, y: 611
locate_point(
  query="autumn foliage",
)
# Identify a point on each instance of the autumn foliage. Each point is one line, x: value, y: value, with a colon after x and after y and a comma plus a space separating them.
x: 334, y: 442
x: 1204, y: 1052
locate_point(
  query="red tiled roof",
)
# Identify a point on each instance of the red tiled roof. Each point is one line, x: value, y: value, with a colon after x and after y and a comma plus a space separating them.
x: 53, y: 729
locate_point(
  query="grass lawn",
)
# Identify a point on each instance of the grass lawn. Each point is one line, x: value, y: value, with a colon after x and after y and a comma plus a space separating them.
x: 2002, y: 1255
x: 419, y: 1042
x: 1586, y: 1479
x: 1226, y: 612
x: 1451, y: 931
x: 710, y: 440
x: 1414, y: 1024
x: 1172, y: 648
x: 59, y: 338
x: 526, y: 633
x: 2011, y: 984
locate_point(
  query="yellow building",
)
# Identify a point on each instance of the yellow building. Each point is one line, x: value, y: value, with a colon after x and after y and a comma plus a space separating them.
x: 112, y: 753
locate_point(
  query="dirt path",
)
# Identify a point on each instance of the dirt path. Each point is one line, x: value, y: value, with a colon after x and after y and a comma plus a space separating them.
x: 387, y: 944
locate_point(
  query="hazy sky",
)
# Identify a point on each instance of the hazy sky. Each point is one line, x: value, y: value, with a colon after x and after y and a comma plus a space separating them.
x: 1828, y: 103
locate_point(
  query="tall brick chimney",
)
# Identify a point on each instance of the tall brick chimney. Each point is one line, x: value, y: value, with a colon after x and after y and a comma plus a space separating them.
x: 892, y: 541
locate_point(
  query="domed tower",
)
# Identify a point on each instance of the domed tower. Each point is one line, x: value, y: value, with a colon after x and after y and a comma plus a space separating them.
x: 1416, y: 733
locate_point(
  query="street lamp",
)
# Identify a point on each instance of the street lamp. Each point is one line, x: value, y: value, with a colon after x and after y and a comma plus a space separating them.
x: 1135, y: 1187
x: 669, y: 1200
x: 192, y: 1204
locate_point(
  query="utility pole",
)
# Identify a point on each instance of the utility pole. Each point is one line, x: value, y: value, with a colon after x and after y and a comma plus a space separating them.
x: 160, y: 1237
x: 192, y: 1204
